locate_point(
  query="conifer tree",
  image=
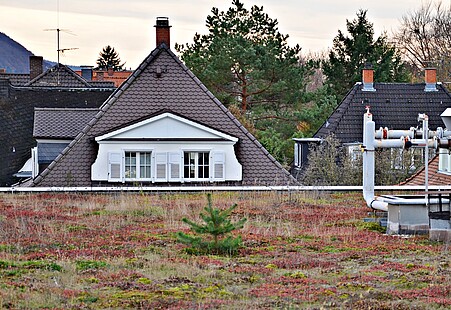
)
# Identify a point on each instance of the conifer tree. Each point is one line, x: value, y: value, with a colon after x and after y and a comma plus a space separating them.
x: 217, y: 227
x: 109, y: 59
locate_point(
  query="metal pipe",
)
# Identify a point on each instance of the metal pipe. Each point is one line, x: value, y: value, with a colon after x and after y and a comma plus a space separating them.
x: 385, y: 133
x: 368, y: 164
x: 423, y: 117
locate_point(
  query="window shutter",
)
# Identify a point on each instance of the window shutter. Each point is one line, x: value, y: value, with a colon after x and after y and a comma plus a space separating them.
x: 161, y: 167
x: 34, y: 165
x: 218, y: 166
x: 175, y: 164
x: 115, y: 167
x: 297, y: 162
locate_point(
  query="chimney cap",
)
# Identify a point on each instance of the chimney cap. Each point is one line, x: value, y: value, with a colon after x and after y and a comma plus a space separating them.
x: 162, y: 22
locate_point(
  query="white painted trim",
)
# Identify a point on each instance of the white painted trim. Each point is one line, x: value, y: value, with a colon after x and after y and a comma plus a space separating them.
x: 52, y: 141
x: 169, y: 115
x: 216, y: 188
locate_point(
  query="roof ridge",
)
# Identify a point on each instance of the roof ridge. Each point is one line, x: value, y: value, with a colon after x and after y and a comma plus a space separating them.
x: 125, y: 85
x: 344, y: 103
x: 66, y: 109
x: 102, y: 110
x: 65, y: 68
x: 228, y: 113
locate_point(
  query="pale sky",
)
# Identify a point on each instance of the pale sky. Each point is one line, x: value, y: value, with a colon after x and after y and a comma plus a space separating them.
x: 127, y: 25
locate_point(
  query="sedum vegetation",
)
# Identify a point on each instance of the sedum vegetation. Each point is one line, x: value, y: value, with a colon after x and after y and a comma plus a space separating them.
x: 300, y: 250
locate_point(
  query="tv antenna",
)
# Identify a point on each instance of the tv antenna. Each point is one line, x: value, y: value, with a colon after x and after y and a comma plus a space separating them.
x: 60, y: 50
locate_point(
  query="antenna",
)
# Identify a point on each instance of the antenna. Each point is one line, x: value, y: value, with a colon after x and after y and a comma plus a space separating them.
x: 58, y: 30
x: 61, y: 50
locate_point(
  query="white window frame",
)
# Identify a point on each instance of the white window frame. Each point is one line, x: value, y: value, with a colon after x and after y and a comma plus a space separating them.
x: 137, y: 165
x: 196, y: 166
x: 116, y: 162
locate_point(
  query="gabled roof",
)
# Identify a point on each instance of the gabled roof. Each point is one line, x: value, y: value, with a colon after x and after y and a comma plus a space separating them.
x: 62, y: 76
x: 162, y: 82
x: 61, y: 123
x: 17, y: 110
x: 393, y: 105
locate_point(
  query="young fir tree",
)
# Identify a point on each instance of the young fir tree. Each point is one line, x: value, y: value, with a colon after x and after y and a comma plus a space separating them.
x: 217, y: 227
x: 109, y: 59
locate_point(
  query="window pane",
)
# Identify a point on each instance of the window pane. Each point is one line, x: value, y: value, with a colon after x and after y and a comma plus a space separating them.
x: 144, y: 165
x: 130, y: 164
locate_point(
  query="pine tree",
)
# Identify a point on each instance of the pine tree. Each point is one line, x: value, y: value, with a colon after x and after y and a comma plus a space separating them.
x: 109, y: 59
x: 217, y: 226
x: 350, y: 54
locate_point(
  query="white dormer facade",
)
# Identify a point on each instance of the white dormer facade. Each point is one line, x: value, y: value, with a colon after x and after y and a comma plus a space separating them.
x: 166, y: 148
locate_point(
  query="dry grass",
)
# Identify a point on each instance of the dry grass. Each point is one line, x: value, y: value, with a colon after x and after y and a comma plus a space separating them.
x: 301, y: 250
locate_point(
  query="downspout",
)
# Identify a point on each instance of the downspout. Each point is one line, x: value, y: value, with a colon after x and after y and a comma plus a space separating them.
x: 368, y: 164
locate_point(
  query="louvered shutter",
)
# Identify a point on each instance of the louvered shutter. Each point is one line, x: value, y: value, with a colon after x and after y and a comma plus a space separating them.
x: 218, y: 162
x: 175, y: 167
x: 115, y: 167
x: 161, y: 163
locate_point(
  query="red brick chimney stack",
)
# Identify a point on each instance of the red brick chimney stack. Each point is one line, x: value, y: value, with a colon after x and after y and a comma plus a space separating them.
x: 430, y: 78
x: 368, y: 78
x: 36, y: 66
x: 163, y: 33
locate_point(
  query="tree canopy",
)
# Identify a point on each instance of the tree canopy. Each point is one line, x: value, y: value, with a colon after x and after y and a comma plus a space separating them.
x: 109, y: 59
x: 425, y: 38
x: 249, y: 66
x: 245, y: 60
x: 350, y: 54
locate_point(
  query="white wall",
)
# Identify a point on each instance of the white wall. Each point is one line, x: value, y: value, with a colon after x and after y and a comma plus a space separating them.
x: 99, y: 169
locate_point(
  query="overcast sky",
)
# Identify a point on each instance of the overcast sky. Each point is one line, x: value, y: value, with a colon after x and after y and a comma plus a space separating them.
x: 128, y: 25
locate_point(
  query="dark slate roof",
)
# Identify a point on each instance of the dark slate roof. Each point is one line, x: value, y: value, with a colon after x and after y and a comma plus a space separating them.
x: 16, y: 116
x: 16, y: 79
x: 61, y: 123
x: 62, y: 76
x: 144, y: 94
x: 393, y: 105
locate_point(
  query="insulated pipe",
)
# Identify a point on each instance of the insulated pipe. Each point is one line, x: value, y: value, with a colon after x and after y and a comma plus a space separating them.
x: 412, y: 133
x: 385, y: 133
x: 401, y: 143
x: 368, y: 164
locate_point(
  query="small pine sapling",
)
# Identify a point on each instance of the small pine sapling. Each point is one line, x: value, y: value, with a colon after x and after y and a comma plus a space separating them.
x: 217, y: 227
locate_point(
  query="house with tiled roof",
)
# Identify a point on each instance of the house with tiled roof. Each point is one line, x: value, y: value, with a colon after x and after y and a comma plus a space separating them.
x: 117, y: 77
x: 57, y: 76
x: 19, y: 97
x: 163, y: 127
x: 393, y: 105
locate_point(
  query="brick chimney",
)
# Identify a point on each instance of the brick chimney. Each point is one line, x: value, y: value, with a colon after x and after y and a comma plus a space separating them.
x: 36, y: 66
x: 163, y: 33
x: 430, y: 78
x: 368, y: 78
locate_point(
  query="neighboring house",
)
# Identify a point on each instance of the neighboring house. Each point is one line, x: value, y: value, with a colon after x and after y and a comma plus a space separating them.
x: 393, y: 105
x: 58, y: 87
x: 162, y: 126
x: 117, y: 77
x: 436, y: 175
x: 53, y: 130
x: 56, y: 76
